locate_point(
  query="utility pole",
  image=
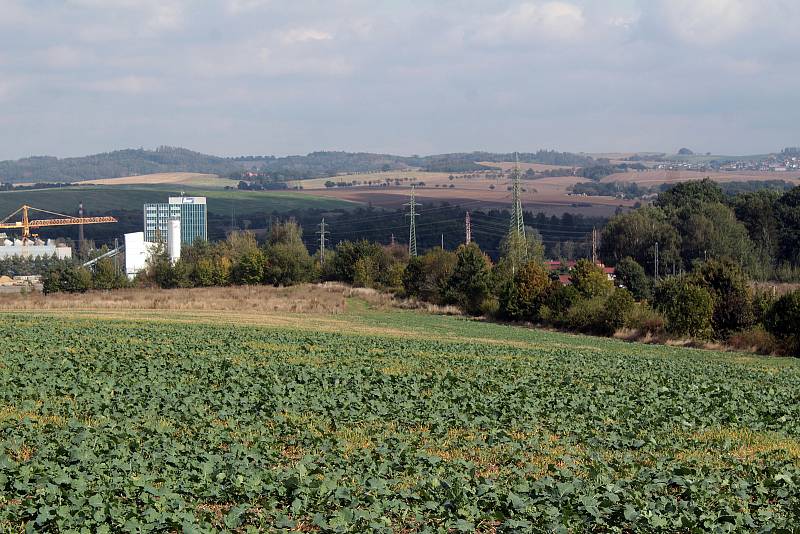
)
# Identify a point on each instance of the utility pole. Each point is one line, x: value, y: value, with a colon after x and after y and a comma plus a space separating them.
x: 594, y: 245
x: 412, y: 228
x: 516, y: 230
x: 116, y: 256
x: 322, y: 232
x: 468, y: 224
x: 656, y: 260
x: 80, y: 231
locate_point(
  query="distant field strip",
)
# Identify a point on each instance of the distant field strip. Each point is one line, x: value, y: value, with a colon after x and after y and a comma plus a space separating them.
x: 133, y: 197
x: 461, y: 426
x: 185, y: 178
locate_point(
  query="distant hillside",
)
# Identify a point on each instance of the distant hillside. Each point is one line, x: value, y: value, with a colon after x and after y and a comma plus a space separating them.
x: 317, y: 164
x: 113, y: 165
x: 131, y: 162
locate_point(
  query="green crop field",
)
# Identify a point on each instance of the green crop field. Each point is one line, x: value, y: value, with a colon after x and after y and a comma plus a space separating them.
x: 106, y: 198
x: 388, y: 421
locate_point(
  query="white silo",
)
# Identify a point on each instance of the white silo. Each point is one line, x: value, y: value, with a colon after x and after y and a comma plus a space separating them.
x: 174, y: 240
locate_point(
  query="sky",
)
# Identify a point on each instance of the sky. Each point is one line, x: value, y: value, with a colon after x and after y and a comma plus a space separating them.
x: 232, y: 77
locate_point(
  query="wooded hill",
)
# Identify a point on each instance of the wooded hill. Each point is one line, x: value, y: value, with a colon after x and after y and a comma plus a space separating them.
x: 131, y: 162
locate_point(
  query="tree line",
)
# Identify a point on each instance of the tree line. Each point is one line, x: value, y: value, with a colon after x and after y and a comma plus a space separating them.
x: 696, y: 221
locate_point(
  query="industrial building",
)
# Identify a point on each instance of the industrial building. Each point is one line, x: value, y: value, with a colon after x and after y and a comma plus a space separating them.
x: 139, y: 251
x: 33, y: 248
x: 29, y: 245
x: 190, y: 211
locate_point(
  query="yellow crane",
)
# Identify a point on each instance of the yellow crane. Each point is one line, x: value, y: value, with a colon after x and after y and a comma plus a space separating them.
x: 27, y: 224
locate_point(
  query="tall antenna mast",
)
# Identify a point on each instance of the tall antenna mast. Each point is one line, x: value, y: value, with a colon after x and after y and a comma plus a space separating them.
x: 468, y: 224
x: 412, y: 228
x: 322, y: 232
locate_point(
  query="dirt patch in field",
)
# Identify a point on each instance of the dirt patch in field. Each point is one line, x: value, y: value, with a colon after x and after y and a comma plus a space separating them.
x: 536, y: 167
x: 185, y: 178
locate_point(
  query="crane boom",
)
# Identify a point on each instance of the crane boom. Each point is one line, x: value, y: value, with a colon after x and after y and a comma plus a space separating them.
x: 26, y: 224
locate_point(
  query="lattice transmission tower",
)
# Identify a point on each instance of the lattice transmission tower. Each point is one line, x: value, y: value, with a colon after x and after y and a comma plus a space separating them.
x: 322, y: 233
x: 412, y: 227
x: 517, y: 244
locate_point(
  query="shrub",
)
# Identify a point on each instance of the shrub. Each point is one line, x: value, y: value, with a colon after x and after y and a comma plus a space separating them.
x: 733, y: 301
x: 585, y: 315
x: 286, y: 264
x: 425, y: 277
x: 632, y: 276
x: 755, y: 339
x: 783, y: 321
x: 525, y: 293
x: 558, y: 300
x: 590, y: 280
x: 470, y: 284
x: 646, y: 321
x: 364, y: 272
x: 342, y: 266
x: 763, y: 300
x: 69, y: 279
x: 617, y: 309
x: 249, y: 269
x: 286, y: 258
x: 687, y: 307
x: 106, y: 276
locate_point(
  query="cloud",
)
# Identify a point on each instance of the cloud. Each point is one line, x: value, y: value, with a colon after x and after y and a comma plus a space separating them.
x: 304, y: 35
x: 459, y: 75
x: 125, y: 85
x: 239, y: 6
x: 532, y: 21
x: 63, y: 57
x: 706, y: 22
x: 155, y: 15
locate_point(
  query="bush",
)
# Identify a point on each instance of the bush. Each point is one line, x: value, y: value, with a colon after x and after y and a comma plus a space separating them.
x: 590, y: 280
x: 470, y: 284
x: 755, y: 339
x: 249, y: 269
x: 585, y: 316
x: 783, y: 321
x: 617, y: 309
x: 364, y: 272
x: 646, y: 321
x: 763, y: 300
x: 632, y: 276
x: 558, y: 300
x: 687, y: 307
x: 342, y: 266
x: 601, y: 315
x: 425, y: 277
x: 106, y: 276
x: 69, y: 279
x: 733, y: 300
x: 524, y: 295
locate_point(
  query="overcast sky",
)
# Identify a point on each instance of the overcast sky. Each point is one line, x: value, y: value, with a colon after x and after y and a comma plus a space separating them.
x: 401, y: 76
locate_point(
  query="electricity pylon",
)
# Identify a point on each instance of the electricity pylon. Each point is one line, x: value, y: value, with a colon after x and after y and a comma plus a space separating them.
x: 517, y: 244
x: 412, y: 227
x: 468, y: 224
x: 322, y: 233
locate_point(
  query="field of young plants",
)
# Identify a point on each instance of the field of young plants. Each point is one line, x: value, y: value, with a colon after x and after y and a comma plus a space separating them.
x: 112, y: 425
